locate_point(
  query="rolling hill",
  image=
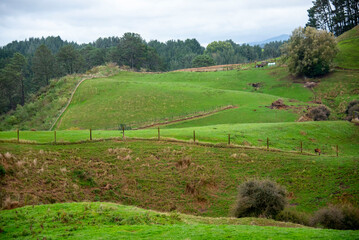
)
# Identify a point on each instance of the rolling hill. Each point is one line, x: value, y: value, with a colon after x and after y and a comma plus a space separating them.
x: 197, y: 176
x: 112, y: 221
x: 348, y: 44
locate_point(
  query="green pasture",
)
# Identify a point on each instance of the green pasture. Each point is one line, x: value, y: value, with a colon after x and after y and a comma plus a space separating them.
x: 348, y: 45
x: 112, y: 221
x: 324, y: 135
x: 138, y: 99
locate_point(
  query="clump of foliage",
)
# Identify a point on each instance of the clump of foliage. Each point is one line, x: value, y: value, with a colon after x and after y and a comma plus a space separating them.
x: 291, y: 215
x: 352, y: 109
x: 320, y: 113
x: 260, y: 199
x: 84, y: 178
x: 2, y: 171
x: 344, y: 217
x: 310, y: 52
x: 202, y: 61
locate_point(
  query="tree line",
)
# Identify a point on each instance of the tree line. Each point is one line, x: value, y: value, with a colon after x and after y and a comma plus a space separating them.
x: 335, y: 16
x: 26, y: 66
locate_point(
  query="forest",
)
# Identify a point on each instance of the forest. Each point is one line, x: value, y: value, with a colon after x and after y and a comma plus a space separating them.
x: 26, y: 66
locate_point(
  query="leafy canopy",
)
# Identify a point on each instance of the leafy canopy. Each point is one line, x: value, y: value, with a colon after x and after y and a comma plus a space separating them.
x: 310, y: 52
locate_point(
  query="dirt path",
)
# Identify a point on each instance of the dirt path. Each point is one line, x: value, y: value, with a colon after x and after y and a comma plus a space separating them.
x: 188, y: 118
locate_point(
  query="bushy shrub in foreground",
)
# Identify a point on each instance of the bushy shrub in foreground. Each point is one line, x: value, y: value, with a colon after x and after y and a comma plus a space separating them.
x: 291, y: 215
x: 344, y: 217
x: 260, y: 199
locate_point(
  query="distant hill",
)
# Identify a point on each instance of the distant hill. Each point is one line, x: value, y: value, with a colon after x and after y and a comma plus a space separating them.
x: 283, y: 37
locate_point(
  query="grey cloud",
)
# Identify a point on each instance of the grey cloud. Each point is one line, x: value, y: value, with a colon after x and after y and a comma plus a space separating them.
x: 85, y: 21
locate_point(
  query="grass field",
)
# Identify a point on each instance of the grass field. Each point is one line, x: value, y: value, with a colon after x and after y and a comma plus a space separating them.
x: 348, y: 44
x: 140, y: 173
x: 285, y: 136
x: 136, y: 99
x: 112, y: 221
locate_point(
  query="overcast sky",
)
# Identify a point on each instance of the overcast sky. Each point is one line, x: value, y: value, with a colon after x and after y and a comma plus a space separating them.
x: 85, y: 21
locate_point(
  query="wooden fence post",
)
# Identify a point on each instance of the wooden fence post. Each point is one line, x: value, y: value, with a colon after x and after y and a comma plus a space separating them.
x: 267, y: 143
x: 90, y: 134
x: 55, y: 136
x: 194, y: 136
x: 123, y: 132
x: 229, y: 139
x: 337, y: 150
x: 301, y: 146
x: 18, y: 135
x: 159, y: 136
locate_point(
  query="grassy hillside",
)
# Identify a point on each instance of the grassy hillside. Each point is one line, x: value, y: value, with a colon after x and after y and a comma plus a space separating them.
x: 142, y: 172
x: 285, y: 136
x: 138, y: 99
x: 112, y: 221
x: 348, y: 44
x: 43, y: 108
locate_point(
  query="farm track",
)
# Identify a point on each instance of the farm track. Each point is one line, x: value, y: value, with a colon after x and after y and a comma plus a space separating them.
x: 71, y: 97
x: 188, y: 118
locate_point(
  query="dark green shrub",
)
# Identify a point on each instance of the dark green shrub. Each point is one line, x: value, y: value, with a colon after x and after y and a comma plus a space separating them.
x: 351, y: 104
x: 260, y: 199
x: 2, y: 171
x: 320, y: 113
x: 351, y: 217
x: 291, y: 215
x: 337, y: 217
x: 352, y: 109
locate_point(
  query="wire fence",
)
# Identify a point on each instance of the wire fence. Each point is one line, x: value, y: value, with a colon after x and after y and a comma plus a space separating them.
x: 155, y: 134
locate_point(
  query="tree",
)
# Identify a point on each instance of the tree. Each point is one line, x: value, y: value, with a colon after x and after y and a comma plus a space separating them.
x: 202, y: 61
x: 43, y: 65
x: 132, y: 49
x: 336, y: 16
x: 69, y: 59
x: 222, y: 52
x: 12, y: 80
x: 310, y: 52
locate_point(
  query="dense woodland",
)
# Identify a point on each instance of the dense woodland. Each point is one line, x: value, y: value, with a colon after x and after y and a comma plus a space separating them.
x: 26, y: 66
x: 336, y: 16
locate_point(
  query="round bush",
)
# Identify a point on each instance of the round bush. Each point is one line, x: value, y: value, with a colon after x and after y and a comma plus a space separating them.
x: 320, y: 113
x: 337, y: 217
x: 260, y: 199
x: 351, y: 104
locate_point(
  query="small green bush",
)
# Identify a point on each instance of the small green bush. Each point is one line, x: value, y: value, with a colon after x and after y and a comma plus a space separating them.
x: 260, y: 199
x: 2, y: 171
x: 291, y: 215
x: 337, y: 217
x: 320, y: 113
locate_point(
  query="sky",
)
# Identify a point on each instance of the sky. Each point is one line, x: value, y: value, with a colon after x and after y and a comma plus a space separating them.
x: 84, y: 21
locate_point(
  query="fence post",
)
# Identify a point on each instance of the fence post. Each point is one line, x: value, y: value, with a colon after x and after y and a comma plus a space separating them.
x: 90, y: 134
x: 301, y: 146
x: 123, y: 132
x: 55, y: 136
x: 267, y: 143
x: 194, y: 136
x: 337, y: 150
x: 159, y: 136
x: 18, y: 135
x: 229, y: 139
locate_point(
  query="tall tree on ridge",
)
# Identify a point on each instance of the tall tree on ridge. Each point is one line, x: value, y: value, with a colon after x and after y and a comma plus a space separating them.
x: 43, y: 65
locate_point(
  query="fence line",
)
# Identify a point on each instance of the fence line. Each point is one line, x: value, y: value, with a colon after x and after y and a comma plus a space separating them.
x: 195, y: 141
